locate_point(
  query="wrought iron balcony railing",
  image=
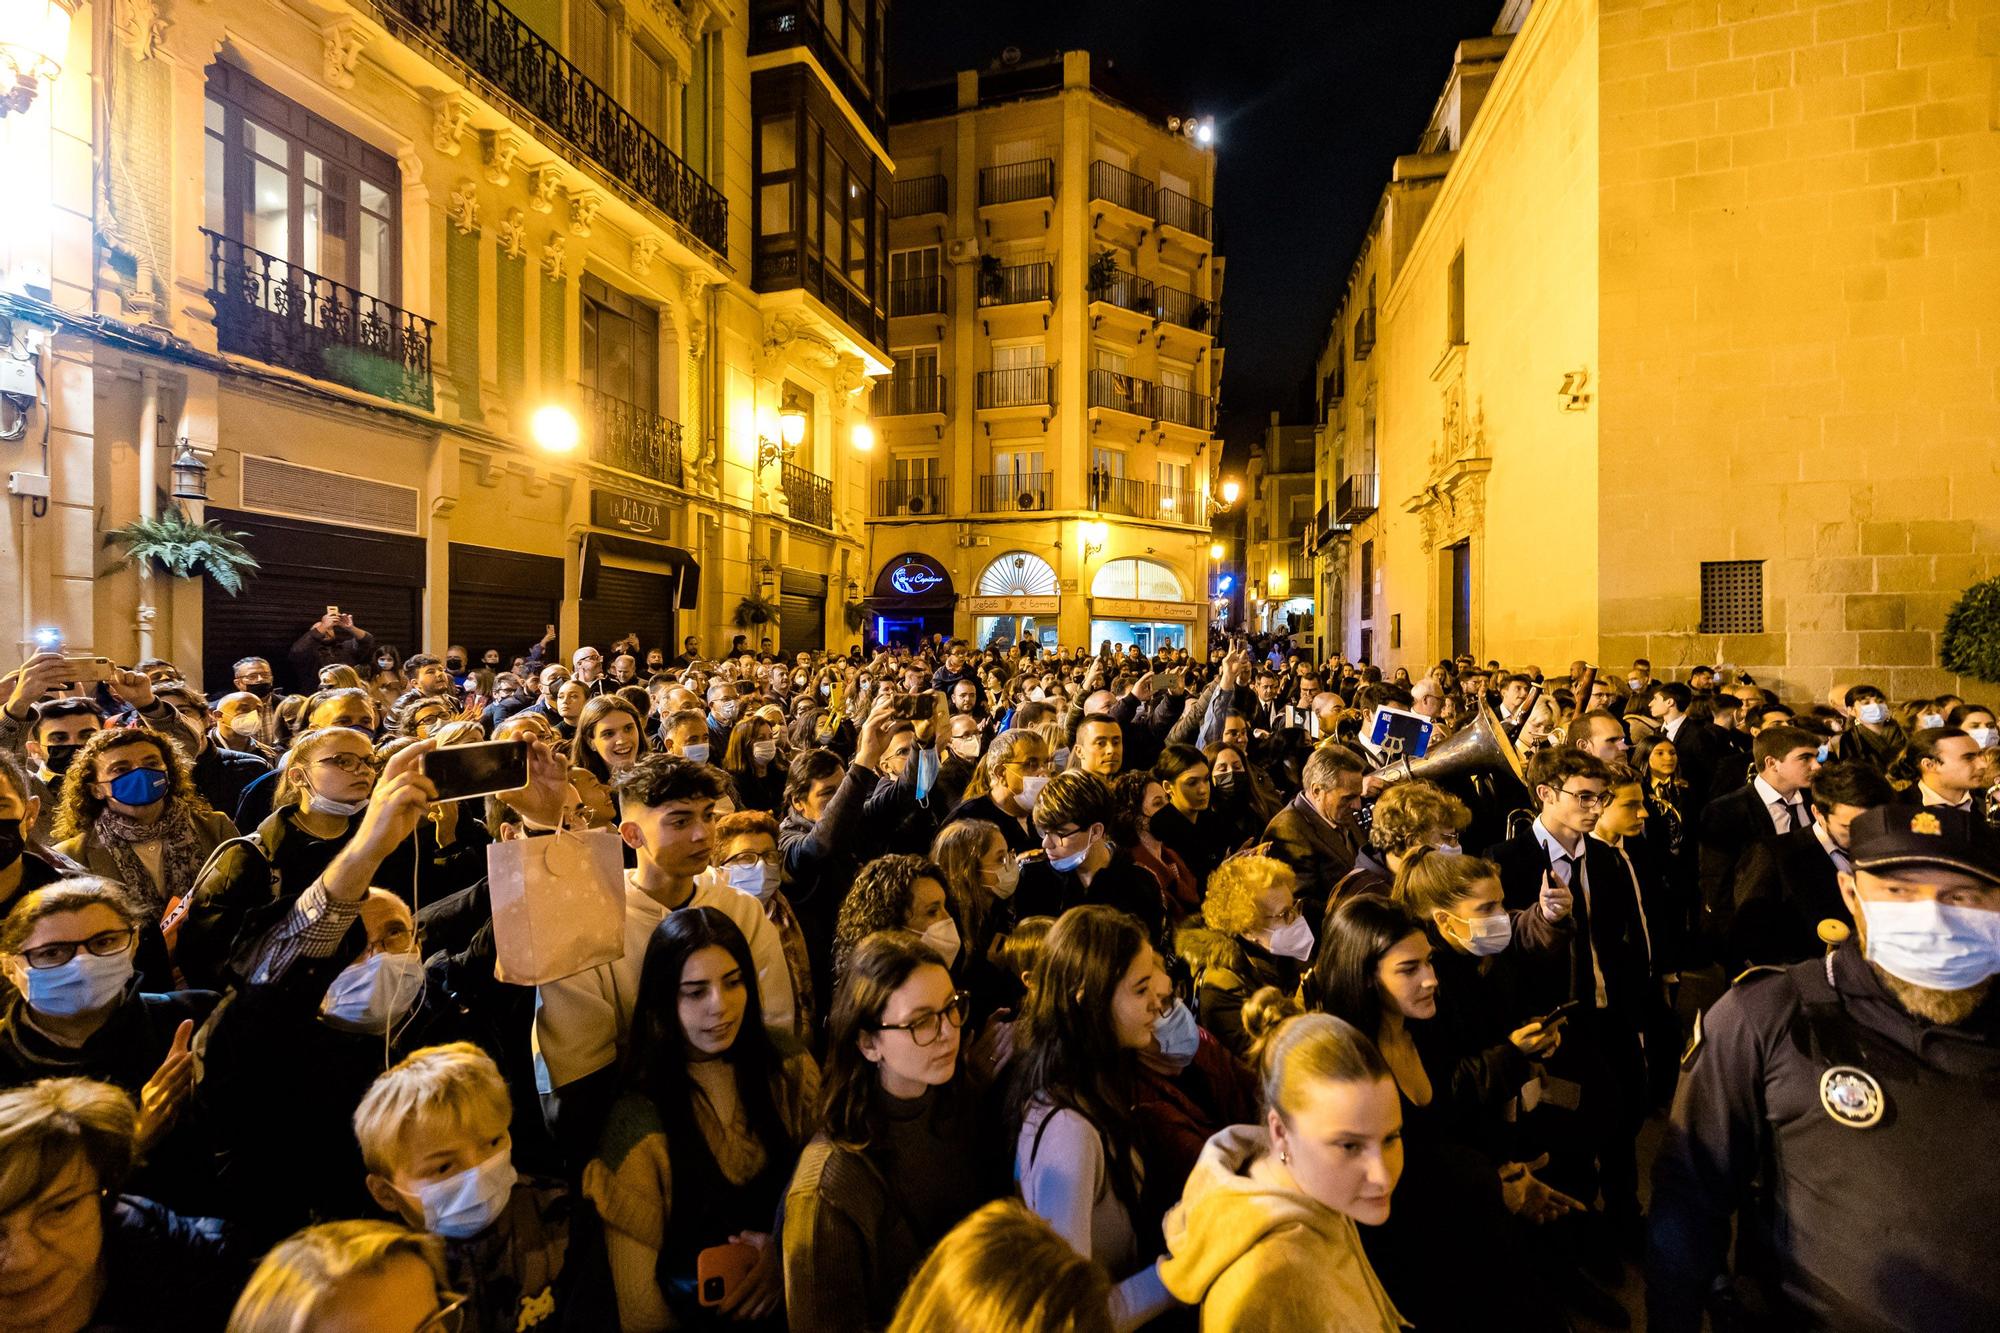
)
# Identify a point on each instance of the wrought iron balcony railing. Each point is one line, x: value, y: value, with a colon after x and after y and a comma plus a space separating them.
x: 917, y: 296
x: 1017, y: 181
x: 915, y: 496
x: 1127, y: 189
x: 1128, y: 291
x: 283, y: 315
x: 808, y: 495
x: 1121, y: 392
x: 916, y: 395
x: 1023, y: 386
x: 628, y: 437
x: 1178, y: 211
x: 1017, y: 284
x: 1356, y: 496
x: 1183, y: 407
x: 1143, y: 499
x: 918, y: 196
x: 1015, y: 492
x: 1300, y: 571
x: 1174, y: 306
x: 488, y: 41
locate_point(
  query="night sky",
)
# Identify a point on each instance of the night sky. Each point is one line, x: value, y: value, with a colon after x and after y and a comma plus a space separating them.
x: 1312, y: 101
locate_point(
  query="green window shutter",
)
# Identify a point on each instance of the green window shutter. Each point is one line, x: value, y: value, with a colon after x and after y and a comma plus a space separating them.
x: 555, y: 320
x: 461, y: 330
x: 511, y: 315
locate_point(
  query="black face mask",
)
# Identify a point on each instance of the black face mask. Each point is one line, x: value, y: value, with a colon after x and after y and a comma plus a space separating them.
x: 454, y: 664
x: 260, y: 688
x: 58, y: 757
x: 10, y: 841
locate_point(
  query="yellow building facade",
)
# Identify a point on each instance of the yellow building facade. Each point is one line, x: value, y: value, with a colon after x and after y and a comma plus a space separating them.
x: 1277, y: 515
x: 1689, y: 351
x: 1046, y: 438
x: 481, y: 318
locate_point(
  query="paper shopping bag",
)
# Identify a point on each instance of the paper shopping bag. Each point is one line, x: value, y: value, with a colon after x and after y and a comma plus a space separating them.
x: 558, y: 905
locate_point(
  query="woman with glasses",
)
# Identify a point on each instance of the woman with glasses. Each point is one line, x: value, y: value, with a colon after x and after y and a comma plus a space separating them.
x: 1092, y: 1005
x: 351, y: 1277
x: 890, y: 1171
x: 77, y: 1251
x: 696, y: 1153
x: 130, y: 813
x: 74, y: 1010
x: 1408, y: 818
x: 1005, y: 784
x: 1255, y: 936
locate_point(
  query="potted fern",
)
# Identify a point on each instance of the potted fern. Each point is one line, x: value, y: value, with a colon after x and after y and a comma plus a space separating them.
x: 1103, y: 272
x: 184, y: 548
x: 755, y: 609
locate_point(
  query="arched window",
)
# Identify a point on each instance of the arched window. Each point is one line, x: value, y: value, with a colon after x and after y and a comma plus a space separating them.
x: 1018, y: 574
x: 1146, y: 579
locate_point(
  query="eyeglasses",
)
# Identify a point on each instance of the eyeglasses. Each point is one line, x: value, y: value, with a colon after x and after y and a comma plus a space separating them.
x: 925, y: 1029
x: 359, y: 765
x: 1286, y: 916
x: 104, y: 944
x: 1589, y: 800
x: 1030, y: 766
x: 449, y: 1317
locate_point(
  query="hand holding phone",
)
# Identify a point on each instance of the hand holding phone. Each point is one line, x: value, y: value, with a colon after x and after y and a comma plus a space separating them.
x: 460, y: 772
x: 720, y: 1270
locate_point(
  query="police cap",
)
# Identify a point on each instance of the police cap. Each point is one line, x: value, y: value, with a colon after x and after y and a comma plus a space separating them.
x: 1889, y: 837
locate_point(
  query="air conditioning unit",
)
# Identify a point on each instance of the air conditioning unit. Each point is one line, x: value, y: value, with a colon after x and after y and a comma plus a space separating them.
x: 964, y: 251
x: 1028, y: 500
x: 918, y: 504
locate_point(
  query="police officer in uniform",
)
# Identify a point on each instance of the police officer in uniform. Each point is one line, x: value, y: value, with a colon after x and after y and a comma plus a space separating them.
x: 1848, y: 1108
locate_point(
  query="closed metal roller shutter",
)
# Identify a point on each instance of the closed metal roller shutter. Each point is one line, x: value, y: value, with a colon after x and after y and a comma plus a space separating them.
x: 802, y: 612
x: 376, y: 577
x: 628, y: 600
x: 502, y: 599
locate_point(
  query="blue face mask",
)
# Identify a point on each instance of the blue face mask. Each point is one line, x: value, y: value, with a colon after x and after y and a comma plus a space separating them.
x: 1932, y: 945
x: 927, y: 770
x: 84, y: 984
x: 141, y: 786
x: 1178, y: 1034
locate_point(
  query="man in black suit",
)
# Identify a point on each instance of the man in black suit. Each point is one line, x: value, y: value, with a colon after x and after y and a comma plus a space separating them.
x: 1705, y: 742
x: 1774, y: 803
x: 1787, y: 885
x: 1552, y: 861
x: 1947, y: 763
x: 1315, y: 834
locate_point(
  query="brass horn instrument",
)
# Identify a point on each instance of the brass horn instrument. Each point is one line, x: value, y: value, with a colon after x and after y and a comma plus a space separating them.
x: 1480, y: 748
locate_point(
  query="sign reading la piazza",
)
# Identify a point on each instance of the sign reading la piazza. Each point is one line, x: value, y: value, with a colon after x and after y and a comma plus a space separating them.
x: 616, y: 509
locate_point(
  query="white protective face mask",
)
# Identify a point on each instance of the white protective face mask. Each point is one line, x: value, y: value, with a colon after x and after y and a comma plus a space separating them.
x: 249, y: 725
x: 1984, y: 737
x: 966, y: 748
x: 757, y: 879
x: 1486, y: 935
x: 374, y: 993
x: 1031, y: 790
x: 698, y: 752
x: 1292, y: 940
x: 464, y: 1205
x: 1928, y: 720
x: 764, y: 751
x: 1874, y: 713
x: 942, y: 936
x: 1007, y: 880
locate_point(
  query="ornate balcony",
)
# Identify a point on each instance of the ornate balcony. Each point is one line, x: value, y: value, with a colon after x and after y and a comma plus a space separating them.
x: 282, y: 315
x: 628, y: 437
x: 488, y: 43
x: 808, y: 495
x: 1174, y: 306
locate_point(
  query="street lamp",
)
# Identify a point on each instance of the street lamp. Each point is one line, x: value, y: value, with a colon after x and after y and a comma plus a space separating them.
x: 791, y: 430
x: 1231, y: 492
x: 190, y: 475
x: 1215, y: 551
x: 34, y: 39
x: 864, y: 437
x: 553, y: 426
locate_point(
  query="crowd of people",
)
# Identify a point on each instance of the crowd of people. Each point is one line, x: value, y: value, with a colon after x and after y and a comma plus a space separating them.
x: 994, y: 989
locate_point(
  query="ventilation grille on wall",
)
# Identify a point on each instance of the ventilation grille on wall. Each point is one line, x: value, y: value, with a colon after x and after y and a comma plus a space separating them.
x: 1732, y: 597
x: 271, y: 486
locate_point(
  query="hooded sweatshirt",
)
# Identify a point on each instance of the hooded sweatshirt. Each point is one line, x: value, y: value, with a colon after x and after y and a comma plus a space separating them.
x: 1259, y: 1259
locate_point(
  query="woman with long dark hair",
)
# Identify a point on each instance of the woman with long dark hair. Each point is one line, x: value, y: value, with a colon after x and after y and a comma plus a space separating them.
x: 1091, y: 1006
x: 1186, y: 823
x: 610, y: 738
x: 714, y: 1110
x: 887, y: 1176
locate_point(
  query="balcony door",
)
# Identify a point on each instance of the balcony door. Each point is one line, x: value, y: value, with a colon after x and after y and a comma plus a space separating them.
x: 282, y: 180
x: 1020, y: 374
x: 621, y: 346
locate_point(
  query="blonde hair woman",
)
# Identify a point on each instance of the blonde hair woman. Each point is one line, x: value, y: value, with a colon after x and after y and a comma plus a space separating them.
x: 1255, y: 936
x: 1002, y: 1270
x: 1264, y: 1235
x: 348, y: 1277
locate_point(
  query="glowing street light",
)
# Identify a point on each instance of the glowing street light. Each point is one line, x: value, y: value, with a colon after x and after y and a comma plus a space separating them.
x: 554, y: 428
x: 34, y: 39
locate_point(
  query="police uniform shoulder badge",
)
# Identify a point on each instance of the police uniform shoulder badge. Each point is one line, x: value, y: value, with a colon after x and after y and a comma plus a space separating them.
x: 1851, y: 1096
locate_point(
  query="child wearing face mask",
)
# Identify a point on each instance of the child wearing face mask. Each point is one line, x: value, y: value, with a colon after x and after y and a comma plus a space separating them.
x: 433, y: 1132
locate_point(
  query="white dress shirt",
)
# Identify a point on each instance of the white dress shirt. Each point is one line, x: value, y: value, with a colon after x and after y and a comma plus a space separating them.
x: 1776, y: 805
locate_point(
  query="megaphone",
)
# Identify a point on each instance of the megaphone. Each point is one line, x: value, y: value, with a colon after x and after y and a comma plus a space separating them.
x: 1482, y: 747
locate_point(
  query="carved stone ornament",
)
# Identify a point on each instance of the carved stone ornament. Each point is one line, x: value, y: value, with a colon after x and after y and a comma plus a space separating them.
x: 693, y: 285
x: 463, y: 206
x: 511, y: 234
x: 543, y: 182
x: 344, y: 41
x: 451, y: 117
x: 583, y: 206
x: 645, y: 249
x: 552, y: 255
x: 142, y: 27
x: 498, y: 150
x: 850, y: 375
